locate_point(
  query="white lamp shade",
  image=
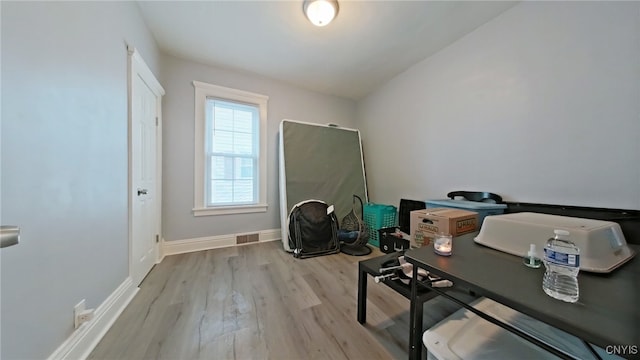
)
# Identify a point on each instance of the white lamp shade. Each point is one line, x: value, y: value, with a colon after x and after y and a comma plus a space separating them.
x: 320, y: 12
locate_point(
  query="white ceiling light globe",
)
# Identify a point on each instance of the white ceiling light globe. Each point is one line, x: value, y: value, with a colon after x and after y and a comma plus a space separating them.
x: 320, y: 12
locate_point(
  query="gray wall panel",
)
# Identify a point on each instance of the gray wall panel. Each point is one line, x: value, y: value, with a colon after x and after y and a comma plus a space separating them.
x: 64, y: 163
x: 285, y: 101
x: 540, y: 104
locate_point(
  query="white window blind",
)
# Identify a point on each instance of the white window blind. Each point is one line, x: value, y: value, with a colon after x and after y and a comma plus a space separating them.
x: 232, y: 156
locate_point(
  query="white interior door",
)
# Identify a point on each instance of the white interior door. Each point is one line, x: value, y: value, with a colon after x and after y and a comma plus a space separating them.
x: 145, y: 98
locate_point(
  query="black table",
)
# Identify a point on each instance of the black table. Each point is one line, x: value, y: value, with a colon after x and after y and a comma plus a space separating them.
x: 372, y: 267
x: 606, y: 314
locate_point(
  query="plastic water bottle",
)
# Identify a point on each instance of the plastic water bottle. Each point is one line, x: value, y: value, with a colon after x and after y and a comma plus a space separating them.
x: 562, y: 263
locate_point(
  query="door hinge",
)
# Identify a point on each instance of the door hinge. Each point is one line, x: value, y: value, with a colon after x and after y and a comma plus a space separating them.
x: 156, y: 121
x: 157, y: 238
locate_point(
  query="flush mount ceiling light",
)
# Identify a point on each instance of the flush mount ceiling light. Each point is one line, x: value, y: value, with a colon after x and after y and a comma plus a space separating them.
x: 320, y: 12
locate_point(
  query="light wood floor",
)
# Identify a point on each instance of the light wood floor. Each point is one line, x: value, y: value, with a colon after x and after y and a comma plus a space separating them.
x: 259, y: 302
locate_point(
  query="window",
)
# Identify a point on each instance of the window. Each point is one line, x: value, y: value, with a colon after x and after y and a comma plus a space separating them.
x: 230, y: 151
x: 231, y: 154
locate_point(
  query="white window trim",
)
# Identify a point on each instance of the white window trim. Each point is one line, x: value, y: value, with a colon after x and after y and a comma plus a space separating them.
x: 202, y: 91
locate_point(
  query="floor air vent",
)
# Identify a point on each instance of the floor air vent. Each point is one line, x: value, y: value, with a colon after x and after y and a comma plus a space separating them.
x: 243, y: 239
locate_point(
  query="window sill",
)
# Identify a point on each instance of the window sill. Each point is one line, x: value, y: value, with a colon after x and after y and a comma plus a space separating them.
x: 228, y: 210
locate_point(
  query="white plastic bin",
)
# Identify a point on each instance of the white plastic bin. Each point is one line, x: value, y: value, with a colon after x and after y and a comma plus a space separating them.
x: 466, y: 336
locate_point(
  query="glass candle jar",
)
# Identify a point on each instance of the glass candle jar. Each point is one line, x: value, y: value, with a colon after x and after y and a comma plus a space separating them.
x: 443, y: 244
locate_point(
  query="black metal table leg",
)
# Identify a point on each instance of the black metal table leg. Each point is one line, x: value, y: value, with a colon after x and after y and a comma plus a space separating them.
x: 415, y: 320
x: 362, y: 295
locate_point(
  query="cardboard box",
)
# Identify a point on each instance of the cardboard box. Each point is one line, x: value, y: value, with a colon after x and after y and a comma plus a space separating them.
x: 483, y: 209
x: 427, y: 223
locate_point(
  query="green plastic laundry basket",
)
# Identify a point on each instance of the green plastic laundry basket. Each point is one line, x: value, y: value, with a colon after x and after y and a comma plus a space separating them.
x: 378, y: 216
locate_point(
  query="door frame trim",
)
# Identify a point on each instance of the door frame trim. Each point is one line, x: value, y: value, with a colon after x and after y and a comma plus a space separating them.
x: 137, y: 66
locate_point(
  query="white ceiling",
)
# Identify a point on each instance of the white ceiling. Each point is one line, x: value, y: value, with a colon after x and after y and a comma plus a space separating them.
x: 367, y: 44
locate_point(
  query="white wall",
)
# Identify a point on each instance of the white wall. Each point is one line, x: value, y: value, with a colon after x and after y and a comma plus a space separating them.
x: 541, y: 104
x: 285, y: 102
x: 64, y: 163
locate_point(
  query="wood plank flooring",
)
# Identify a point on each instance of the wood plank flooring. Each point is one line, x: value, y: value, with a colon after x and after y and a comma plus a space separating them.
x: 259, y: 302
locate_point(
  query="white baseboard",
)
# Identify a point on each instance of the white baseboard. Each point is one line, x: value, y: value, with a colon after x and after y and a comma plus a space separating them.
x: 214, y: 242
x: 85, y: 338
